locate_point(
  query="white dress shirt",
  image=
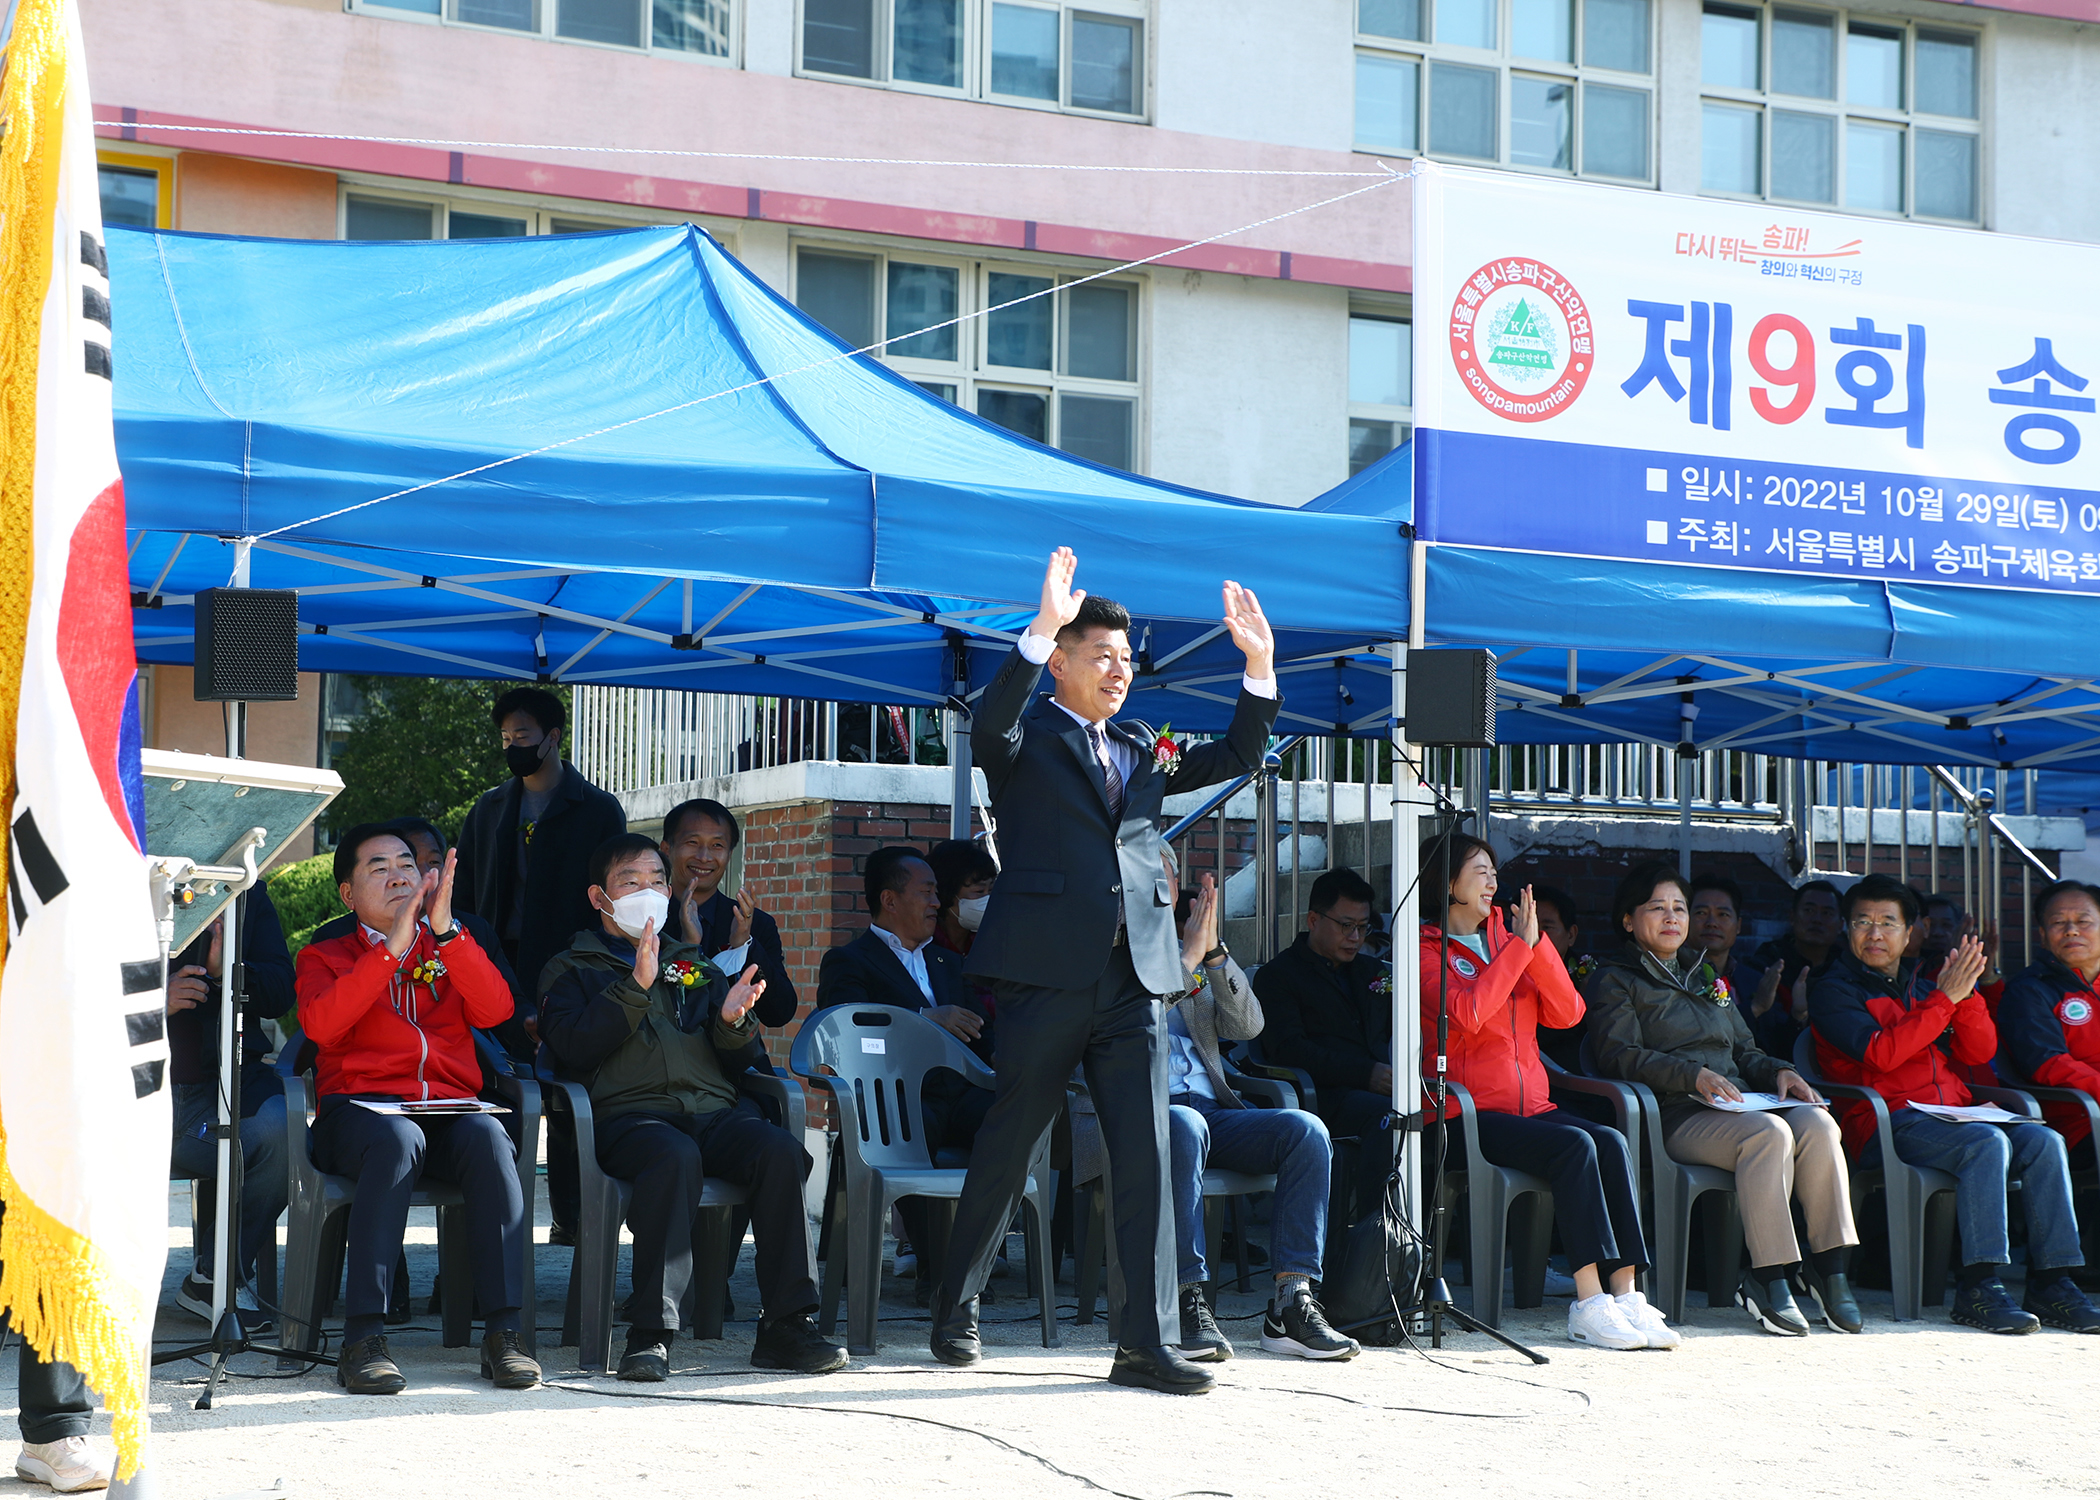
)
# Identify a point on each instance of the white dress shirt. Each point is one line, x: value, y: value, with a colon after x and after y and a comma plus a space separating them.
x: 913, y: 959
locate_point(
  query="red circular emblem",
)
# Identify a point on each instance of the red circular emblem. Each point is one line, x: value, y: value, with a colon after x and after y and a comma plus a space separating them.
x: 1521, y: 339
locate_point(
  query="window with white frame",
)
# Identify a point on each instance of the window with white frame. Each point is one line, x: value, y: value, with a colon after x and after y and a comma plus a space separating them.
x: 1543, y: 85
x: 1088, y: 59
x: 1381, y: 383
x: 1869, y: 113
x: 381, y: 212
x: 1059, y: 365
x: 689, y: 28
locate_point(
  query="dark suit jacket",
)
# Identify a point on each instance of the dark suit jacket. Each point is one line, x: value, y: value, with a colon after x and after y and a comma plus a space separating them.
x: 776, y: 1007
x: 1323, y: 1017
x: 193, y: 1034
x: 1069, y: 871
x: 556, y: 907
x: 866, y: 972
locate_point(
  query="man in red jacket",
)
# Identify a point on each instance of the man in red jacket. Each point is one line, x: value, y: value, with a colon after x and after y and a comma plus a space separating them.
x: 392, y: 1007
x: 1876, y: 1023
x: 2047, y: 1018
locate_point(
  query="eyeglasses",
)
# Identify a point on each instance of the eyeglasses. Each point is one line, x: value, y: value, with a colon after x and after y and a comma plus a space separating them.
x: 1886, y: 928
x: 1352, y: 929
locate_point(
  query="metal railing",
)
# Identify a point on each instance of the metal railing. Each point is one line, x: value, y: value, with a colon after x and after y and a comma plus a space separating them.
x: 624, y: 739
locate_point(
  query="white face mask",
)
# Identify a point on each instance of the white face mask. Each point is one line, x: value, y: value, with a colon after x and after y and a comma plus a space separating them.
x: 635, y: 910
x: 969, y: 912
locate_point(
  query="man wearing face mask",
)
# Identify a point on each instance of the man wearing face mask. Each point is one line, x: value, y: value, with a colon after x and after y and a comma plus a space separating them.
x: 651, y: 1029
x: 525, y: 849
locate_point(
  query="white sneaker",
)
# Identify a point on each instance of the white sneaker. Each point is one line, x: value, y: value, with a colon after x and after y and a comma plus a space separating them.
x: 905, y: 1267
x: 1598, y: 1320
x: 68, y: 1466
x: 1641, y: 1315
x: 1558, y: 1285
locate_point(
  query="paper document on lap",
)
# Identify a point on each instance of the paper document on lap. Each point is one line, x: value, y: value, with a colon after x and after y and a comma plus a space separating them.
x: 414, y: 1107
x: 1974, y: 1114
x: 1751, y: 1104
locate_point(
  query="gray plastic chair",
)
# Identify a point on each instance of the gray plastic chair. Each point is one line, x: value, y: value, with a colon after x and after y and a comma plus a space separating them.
x: 588, y: 1315
x: 318, y: 1222
x: 878, y: 1057
x: 1920, y: 1201
x: 1679, y: 1186
x: 1502, y: 1203
x: 2085, y: 1183
x: 1097, y: 1251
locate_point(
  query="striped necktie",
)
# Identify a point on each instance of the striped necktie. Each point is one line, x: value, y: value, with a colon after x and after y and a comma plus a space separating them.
x: 1108, y: 771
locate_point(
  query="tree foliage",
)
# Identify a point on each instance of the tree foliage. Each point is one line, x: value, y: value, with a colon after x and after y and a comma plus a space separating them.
x: 423, y: 747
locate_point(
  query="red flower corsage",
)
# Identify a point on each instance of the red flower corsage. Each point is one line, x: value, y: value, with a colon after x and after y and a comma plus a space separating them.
x: 683, y: 974
x: 1166, y: 750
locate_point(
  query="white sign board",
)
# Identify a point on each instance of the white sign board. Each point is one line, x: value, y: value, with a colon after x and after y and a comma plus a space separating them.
x: 1604, y: 372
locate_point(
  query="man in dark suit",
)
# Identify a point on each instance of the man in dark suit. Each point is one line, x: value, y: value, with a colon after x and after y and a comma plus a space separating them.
x: 732, y: 932
x: 1079, y: 944
x: 897, y: 962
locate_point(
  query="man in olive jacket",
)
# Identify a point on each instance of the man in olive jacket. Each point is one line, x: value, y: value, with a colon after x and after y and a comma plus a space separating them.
x: 646, y: 1025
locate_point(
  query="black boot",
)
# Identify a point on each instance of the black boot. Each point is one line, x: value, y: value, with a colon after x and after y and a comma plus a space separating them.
x: 955, y: 1340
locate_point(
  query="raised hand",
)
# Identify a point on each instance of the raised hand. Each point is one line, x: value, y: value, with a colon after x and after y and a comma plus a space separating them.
x: 1250, y: 630
x: 403, y: 937
x: 740, y: 930
x: 1963, y: 967
x: 1524, y: 916
x: 1060, y: 604
x: 1798, y: 1004
x: 742, y: 996
x: 1200, y: 935
x: 645, y: 948
x: 441, y: 907
x: 1767, y: 990
x: 689, y: 910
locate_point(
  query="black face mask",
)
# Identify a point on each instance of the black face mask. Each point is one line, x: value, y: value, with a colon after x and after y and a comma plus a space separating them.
x: 523, y: 760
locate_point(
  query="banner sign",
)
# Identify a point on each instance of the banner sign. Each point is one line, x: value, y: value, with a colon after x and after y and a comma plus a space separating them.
x: 1604, y: 372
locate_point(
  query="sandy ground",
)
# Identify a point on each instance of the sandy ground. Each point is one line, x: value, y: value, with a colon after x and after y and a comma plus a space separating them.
x: 1906, y: 1409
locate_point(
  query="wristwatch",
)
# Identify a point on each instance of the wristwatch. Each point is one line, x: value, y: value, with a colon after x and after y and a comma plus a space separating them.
x: 1216, y: 955
x: 442, y: 938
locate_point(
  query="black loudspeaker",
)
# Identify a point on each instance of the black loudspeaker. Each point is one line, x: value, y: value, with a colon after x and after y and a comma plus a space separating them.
x: 1451, y: 698
x: 247, y: 646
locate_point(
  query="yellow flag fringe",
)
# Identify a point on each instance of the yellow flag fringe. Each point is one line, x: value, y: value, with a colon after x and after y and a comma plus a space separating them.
x: 63, y: 1299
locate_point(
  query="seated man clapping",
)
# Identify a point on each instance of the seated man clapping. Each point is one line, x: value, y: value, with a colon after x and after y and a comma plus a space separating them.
x: 392, y: 1007
x: 650, y: 1028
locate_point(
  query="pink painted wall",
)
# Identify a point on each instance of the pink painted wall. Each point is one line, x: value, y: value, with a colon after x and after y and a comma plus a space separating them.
x: 298, y: 66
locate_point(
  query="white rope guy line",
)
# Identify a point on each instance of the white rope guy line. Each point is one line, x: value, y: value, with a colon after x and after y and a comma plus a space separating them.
x: 841, y: 161
x: 750, y: 385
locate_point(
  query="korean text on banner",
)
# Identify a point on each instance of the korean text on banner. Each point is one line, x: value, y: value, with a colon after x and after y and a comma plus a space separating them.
x: 1608, y: 373
x: 83, y: 1094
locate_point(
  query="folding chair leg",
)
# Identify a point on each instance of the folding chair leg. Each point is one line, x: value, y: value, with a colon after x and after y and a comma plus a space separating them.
x: 1724, y: 1247
x: 1531, y: 1238
x: 1936, y: 1251
x: 834, y: 1239
x: 1490, y: 1215
x: 1236, y: 1206
x: 864, y: 1223
x: 711, y: 1253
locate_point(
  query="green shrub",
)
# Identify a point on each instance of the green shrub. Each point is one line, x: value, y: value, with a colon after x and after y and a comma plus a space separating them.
x: 305, y: 897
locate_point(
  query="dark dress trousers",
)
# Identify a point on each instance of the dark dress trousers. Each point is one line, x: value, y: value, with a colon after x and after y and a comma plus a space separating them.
x: 1079, y: 944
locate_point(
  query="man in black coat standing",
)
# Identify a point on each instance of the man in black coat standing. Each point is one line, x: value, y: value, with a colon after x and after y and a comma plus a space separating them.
x: 1078, y: 945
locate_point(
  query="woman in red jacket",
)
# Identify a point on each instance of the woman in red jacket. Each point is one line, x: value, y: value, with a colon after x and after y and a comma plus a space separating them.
x: 1500, y: 986
x: 392, y: 1005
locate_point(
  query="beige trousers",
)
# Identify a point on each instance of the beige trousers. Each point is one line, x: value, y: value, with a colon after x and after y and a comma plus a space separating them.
x: 1777, y: 1157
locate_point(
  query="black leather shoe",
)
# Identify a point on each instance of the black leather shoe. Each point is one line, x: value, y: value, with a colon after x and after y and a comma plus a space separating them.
x: 1159, y: 1369
x: 363, y: 1369
x: 955, y: 1340
x: 1771, y: 1306
x: 793, y: 1343
x: 1828, y: 1297
x: 645, y: 1361
x: 504, y: 1360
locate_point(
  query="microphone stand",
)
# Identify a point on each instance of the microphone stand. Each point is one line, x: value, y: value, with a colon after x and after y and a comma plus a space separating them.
x: 1436, y: 1296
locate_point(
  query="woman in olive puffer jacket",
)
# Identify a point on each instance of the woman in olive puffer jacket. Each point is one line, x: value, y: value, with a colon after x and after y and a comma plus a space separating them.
x: 1663, y: 1017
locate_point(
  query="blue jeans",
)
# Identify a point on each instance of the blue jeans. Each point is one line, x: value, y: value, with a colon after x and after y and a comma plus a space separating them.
x: 1981, y: 1158
x: 263, y: 1184
x: 1288, y: 1142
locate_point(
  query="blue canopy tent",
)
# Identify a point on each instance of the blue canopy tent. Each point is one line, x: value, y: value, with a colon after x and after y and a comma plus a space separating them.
x: 620, y: 458
x: 1594, y: 651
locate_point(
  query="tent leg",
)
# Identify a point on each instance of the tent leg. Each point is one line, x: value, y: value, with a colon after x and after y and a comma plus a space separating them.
x: 1406, y: 973
x: 959, y: 762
